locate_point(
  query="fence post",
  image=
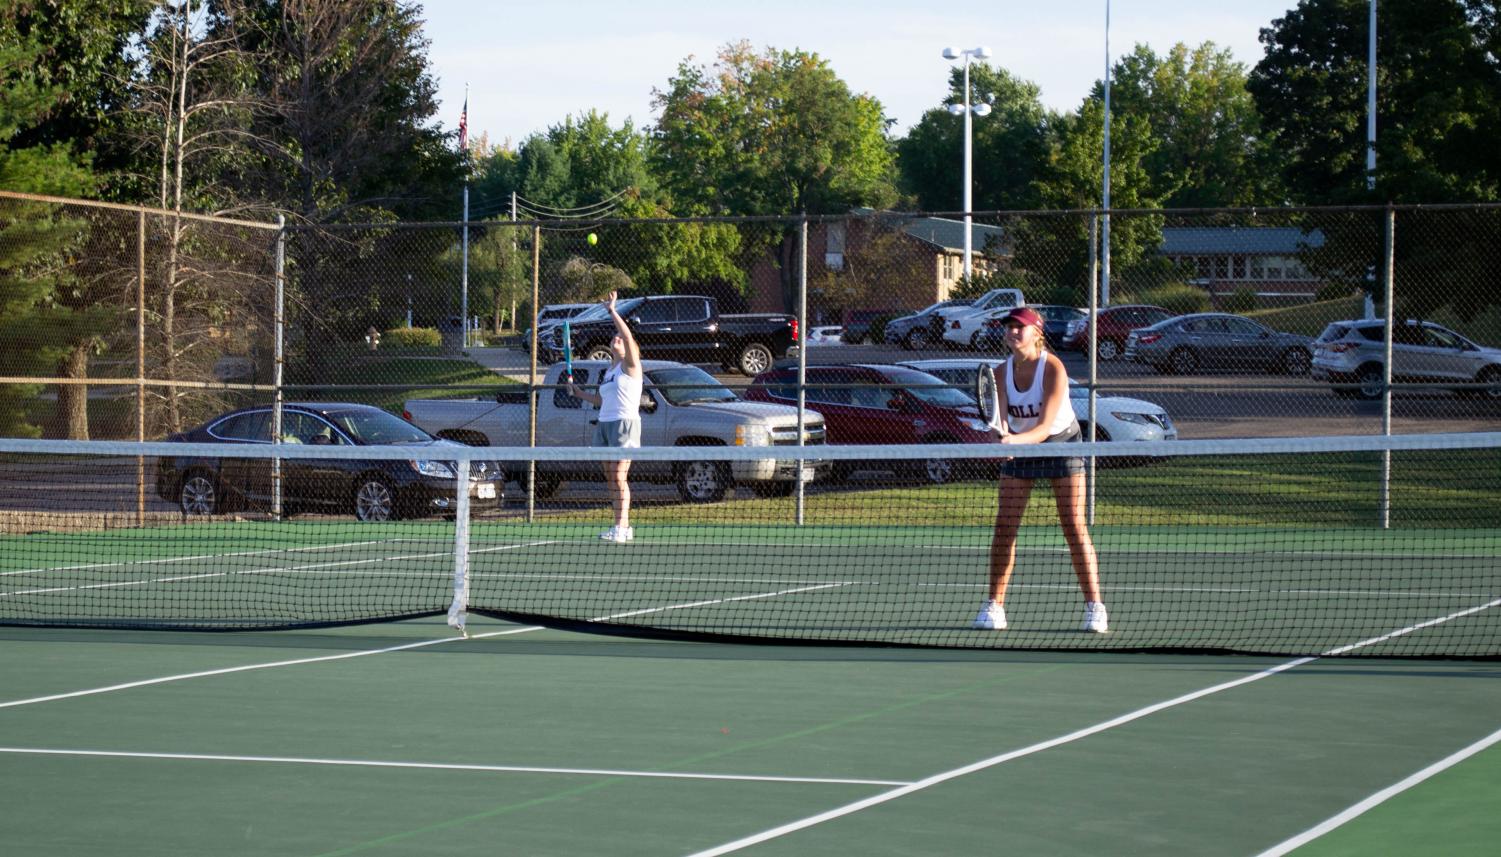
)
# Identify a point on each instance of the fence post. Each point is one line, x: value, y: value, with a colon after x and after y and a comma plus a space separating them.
x: 531, y: 386
x: 802, y: 357
x: 278, y: 359
x: 140, y: 363
x: 1094, y: 366
x: 1389, y: 270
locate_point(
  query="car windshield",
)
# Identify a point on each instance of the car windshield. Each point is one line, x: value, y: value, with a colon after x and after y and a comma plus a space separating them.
x: 598, y: 312
x: 929, y: 388
x: 375, y: 428
x: 686, y: 384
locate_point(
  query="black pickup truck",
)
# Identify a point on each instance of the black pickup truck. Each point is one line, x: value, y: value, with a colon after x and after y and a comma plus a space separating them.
x: 687, y: 328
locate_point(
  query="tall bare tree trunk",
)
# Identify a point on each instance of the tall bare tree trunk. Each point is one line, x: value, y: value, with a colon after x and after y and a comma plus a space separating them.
x: 73, y: 399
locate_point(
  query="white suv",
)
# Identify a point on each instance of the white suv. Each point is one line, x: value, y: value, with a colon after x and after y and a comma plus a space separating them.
x: 1352, y: 353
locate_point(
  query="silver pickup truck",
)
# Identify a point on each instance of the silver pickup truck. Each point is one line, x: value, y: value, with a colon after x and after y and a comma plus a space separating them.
x: 681, y: 405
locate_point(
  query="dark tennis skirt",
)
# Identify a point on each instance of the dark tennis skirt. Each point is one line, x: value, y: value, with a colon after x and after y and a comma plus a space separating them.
x: 1047, y: 468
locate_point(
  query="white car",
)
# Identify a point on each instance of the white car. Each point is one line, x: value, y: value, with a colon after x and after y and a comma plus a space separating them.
x: 1120, y: 418
x: 966, y: 331
x: 825, y: 335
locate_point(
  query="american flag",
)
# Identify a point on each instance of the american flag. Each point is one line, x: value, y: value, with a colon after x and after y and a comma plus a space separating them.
x: 464, y: 126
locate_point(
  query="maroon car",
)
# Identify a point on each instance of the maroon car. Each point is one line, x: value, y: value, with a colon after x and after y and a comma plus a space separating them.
x: 1116, y: 323
x: 886, y: 404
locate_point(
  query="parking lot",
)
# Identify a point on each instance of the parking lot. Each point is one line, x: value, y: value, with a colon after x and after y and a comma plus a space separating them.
x: 1203, y: 406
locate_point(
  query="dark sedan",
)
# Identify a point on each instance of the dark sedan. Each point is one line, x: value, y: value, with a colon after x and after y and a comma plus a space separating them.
x: 371, y: 490
x: 1222, y: 341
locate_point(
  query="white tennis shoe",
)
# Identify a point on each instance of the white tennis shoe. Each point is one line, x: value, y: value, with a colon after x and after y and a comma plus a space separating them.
x: 992, y: 618
x: 1096, y: 621
x: 619, y: 535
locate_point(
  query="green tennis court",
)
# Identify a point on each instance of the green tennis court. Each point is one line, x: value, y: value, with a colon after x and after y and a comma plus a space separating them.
x: 736, y: 680
x: 404, y: 739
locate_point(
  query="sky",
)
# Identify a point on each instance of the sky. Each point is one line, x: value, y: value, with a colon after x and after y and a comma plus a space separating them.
x: 529, y: 65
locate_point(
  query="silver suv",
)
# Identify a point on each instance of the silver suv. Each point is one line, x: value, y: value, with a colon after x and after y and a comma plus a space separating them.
x: 1351, y: 353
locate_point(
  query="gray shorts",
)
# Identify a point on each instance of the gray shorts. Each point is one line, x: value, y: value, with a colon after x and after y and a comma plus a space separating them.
x: 625, y: 434
x: 1047, y: 468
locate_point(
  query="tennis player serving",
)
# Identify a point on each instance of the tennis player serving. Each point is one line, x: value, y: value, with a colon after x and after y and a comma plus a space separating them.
x: 1034, y: 402
x: 619, y: 425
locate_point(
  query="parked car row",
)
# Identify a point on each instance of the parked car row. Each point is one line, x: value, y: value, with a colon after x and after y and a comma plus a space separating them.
x: 371, y: 490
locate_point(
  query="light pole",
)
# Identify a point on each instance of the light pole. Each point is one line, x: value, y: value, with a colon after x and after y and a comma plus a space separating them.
x: 967, y: 110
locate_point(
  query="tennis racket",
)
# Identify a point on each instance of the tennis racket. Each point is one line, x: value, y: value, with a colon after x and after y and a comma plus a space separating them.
x: 567, y: 350
x: 989, y: 397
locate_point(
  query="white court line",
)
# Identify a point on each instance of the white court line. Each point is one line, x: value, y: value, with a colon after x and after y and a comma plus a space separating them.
x: 165, y: 560
x: 249, y: 667
x: 345, y: 655
x: 1381, y: 797
x: 438, y: 766
x: 275, y: 569
x: 983, y: 764
x: 1230, y: 590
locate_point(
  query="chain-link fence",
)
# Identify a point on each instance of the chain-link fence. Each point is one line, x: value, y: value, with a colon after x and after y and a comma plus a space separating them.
x: 123, y: 322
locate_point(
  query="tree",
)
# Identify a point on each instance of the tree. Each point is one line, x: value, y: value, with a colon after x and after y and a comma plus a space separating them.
x: 771, y: 134
x: 1438, y: 100
x: 1055, y: 248
x: 1438, y: 109
x: 1010, y: 145
x: 1210, y: 151
x: 38, y: 326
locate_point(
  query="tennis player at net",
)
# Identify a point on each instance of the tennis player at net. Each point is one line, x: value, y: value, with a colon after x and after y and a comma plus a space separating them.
x: 1035, y: 403
x: 619, y: 424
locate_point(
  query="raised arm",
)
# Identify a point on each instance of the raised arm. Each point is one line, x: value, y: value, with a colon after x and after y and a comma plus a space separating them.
x: 631, y: 362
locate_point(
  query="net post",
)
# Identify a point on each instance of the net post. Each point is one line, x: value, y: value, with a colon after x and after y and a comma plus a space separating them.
x: 1384, y: 502
x: 458, y: 608
x: 802, y: 362
x: 279, y: 327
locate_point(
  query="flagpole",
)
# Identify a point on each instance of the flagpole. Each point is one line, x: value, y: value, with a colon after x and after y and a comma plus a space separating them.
x: 464, y: 277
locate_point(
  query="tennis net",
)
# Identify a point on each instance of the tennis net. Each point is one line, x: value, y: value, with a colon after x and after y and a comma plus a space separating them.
x: 1378, y: 546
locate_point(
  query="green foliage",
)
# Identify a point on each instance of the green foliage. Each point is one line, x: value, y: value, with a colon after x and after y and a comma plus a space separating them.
x: 1242, y: 301
x: 1209, y: 147
x: 1438, y: 99
x: 771, y: 133
x: 1009, y: 146
x: 1179, y: 298
x: 412, y: 337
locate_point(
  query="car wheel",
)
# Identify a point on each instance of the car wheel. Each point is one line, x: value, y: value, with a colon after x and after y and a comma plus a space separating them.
x: 850, y: 338
x: 1370, y: 383
x: 917, y: 339
x: 374, y: 500
x: 601, y: 352
x: 1491, y: 377
x: 198, y: 494
x: 1108, y: 349
x: 939, y: 471
x: 1296, y: 361
x: 755, y: 358
x: 974, y: 341
x: 703, y: 481
x: 1184, y: 361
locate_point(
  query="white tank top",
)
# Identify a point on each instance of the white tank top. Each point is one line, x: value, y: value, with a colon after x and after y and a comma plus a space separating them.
x: 1024, y: 407
x: 619, y: 396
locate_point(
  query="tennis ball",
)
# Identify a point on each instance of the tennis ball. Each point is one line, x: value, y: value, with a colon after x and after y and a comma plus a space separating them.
x: 593, y: 239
